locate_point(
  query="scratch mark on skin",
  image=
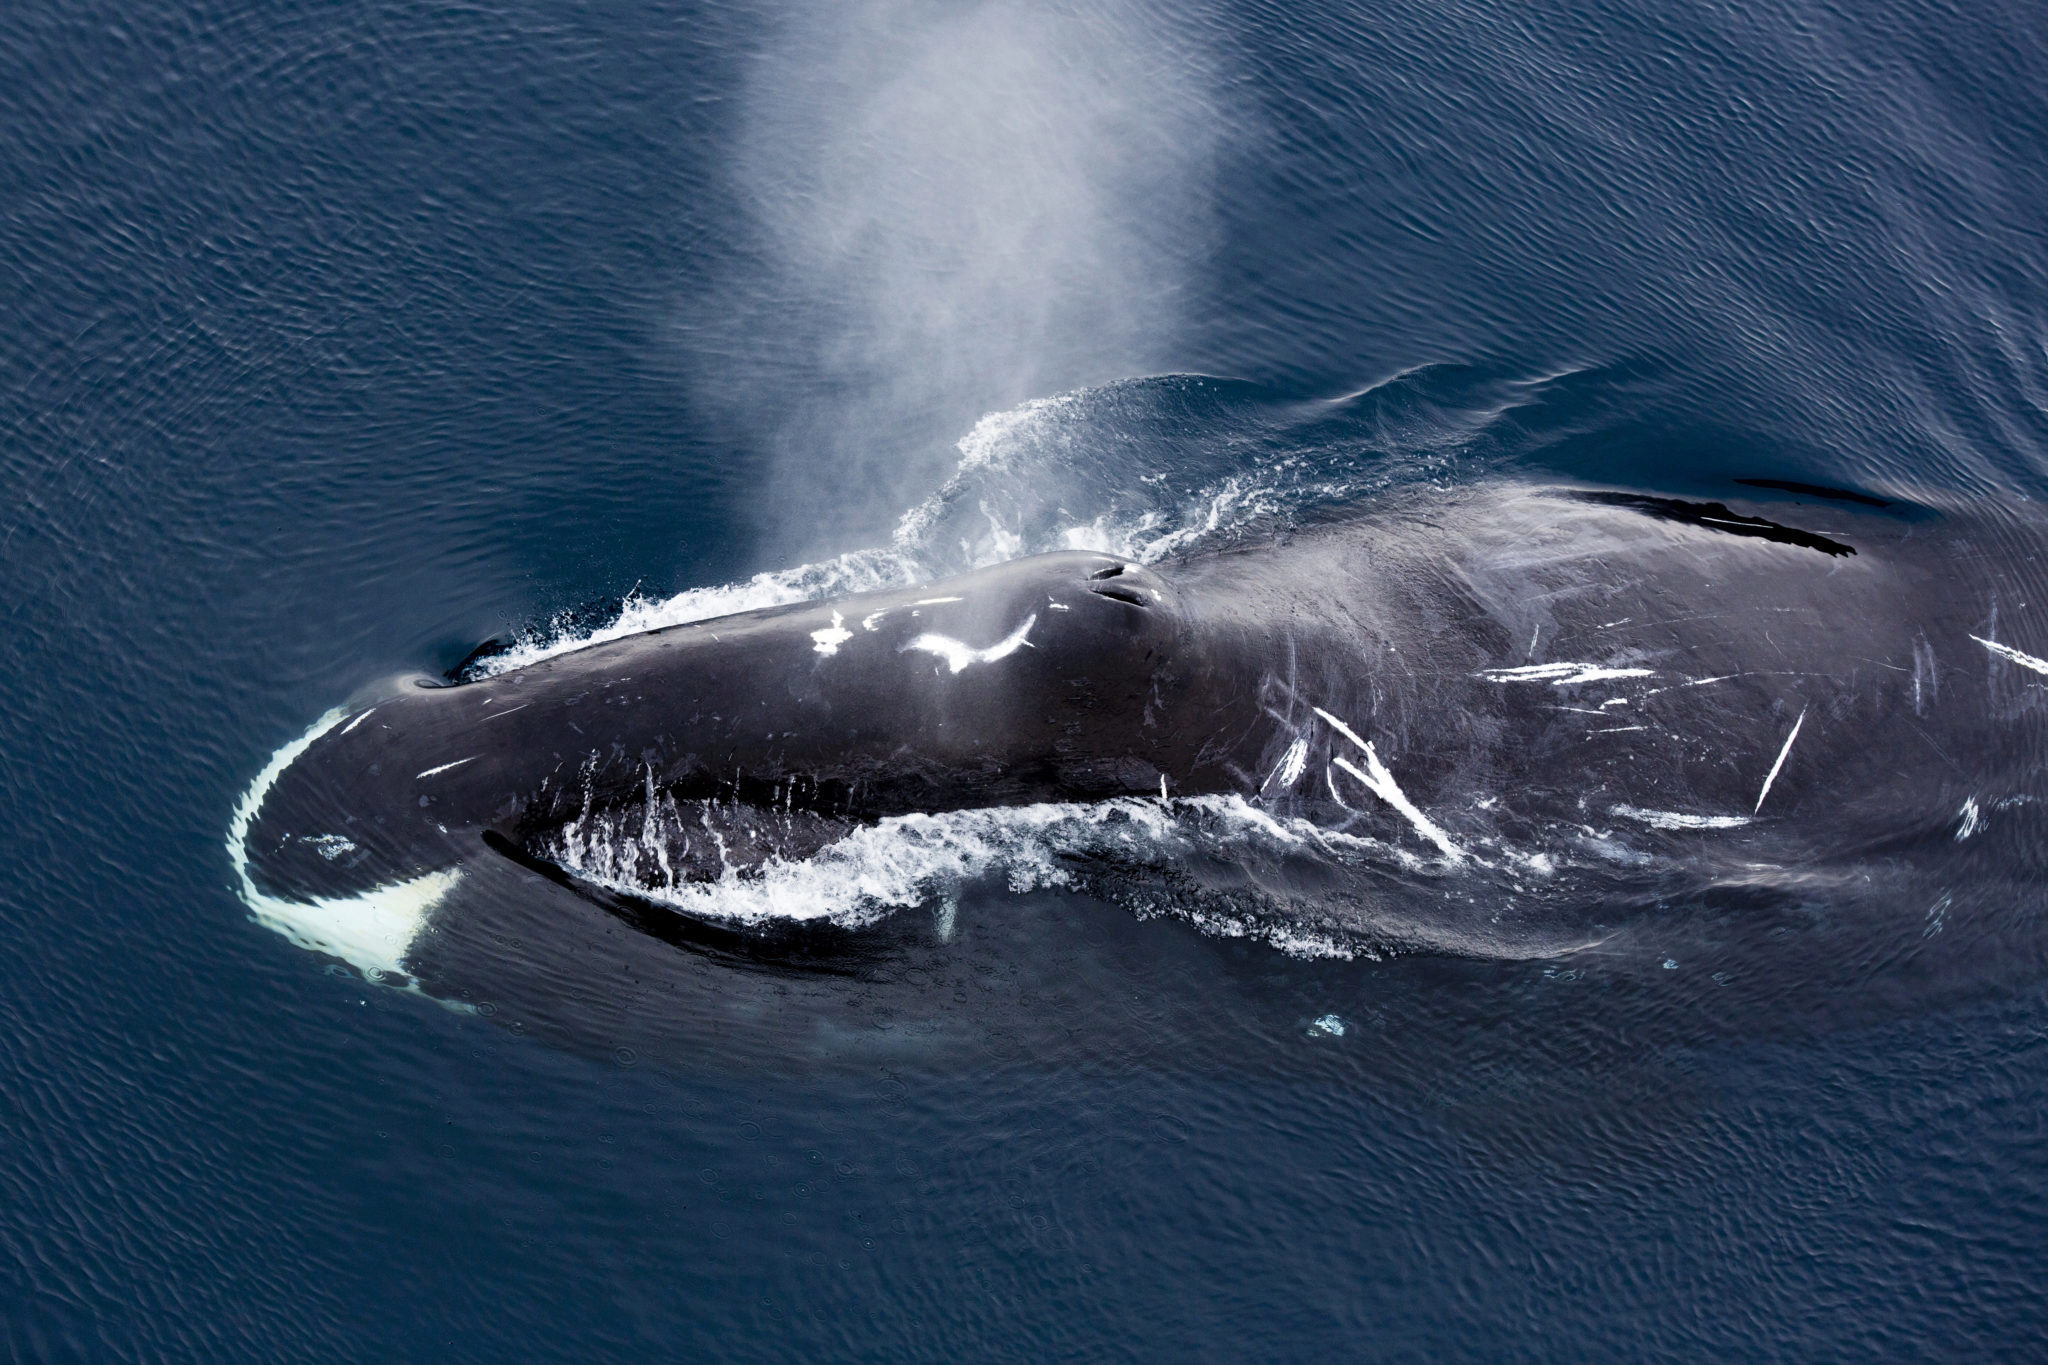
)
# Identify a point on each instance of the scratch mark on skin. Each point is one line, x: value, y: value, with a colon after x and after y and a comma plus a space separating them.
x: 1331, y: 779
x: 958, y: 656
x: 1618, y: 730
x: 1561, y: 675
x: 934, y: 601
x: 1054, y: 604
x: 357, y: 721
x: 1696, y: 682
x: 1773, y: 775
x: 1667, y: 819
x: 1614, y: 701
x: 1939, y: 751
x: 496, y: 714
x: 1288, y: 771
x: 873, y: 619
x: 1926, y: 674
x: 828, y: 640
x: 1582, y: 710
x: 1340, y: 727
x: 1532, y: 641
x: 1381, y: 783
x: 2008, y: 652
x: 1937, y: 914
x: 446, y: 766
x: 1972, y: 818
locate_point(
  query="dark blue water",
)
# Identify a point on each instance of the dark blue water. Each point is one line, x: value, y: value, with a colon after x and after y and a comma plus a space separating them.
x: 337, y: 338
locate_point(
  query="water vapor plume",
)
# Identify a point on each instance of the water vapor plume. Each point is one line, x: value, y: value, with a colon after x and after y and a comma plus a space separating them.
x: 951, y: 209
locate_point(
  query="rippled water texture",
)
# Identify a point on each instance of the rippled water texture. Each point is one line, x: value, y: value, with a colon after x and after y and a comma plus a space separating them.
x: 340, y: 339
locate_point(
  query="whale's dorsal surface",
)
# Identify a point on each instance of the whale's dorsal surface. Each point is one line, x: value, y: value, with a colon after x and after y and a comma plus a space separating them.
x: 1532, y: 699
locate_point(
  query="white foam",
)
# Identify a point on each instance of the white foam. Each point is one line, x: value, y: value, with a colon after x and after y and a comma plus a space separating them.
x: 911, y: 860
x: 916, y: 555
x: 1151, y: 536
x: 858, y: 571
x: 372, y: 932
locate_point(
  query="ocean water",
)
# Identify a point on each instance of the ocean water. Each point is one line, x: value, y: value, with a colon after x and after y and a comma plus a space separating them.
x: 338, y: 339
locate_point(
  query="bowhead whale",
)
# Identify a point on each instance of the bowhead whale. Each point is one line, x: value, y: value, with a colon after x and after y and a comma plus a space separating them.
x: 1467, y: 719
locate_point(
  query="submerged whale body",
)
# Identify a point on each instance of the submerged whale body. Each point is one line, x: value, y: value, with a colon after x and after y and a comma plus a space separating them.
x: 1489, y: 721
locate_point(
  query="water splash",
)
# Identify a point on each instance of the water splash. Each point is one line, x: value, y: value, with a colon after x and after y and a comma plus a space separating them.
x: 950, y: 208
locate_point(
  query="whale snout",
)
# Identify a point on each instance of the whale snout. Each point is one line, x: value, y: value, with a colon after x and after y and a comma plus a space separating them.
x: 340, y: 815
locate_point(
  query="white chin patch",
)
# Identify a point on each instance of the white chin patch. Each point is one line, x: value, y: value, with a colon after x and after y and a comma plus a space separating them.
x: 373, y: 931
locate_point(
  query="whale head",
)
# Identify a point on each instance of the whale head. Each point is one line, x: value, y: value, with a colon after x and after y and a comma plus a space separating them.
x: 701, y: 751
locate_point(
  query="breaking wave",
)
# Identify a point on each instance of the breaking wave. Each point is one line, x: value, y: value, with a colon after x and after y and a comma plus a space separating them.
x: 1178, y: 856
x: 1156, y: 466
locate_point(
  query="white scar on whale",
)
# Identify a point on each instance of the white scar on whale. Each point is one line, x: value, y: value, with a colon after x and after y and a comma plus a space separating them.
x: 1381, y: 783
x: 1671, y: 819
x: 828, y: 640
x: 1773, y: 776
x: 958, y: 656
x: 1560, y: 675
x: 1288, y: 771
x: 2019, y: 657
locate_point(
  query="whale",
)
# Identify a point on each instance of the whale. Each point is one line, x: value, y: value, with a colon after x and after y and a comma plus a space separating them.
x: 1496, y: 720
